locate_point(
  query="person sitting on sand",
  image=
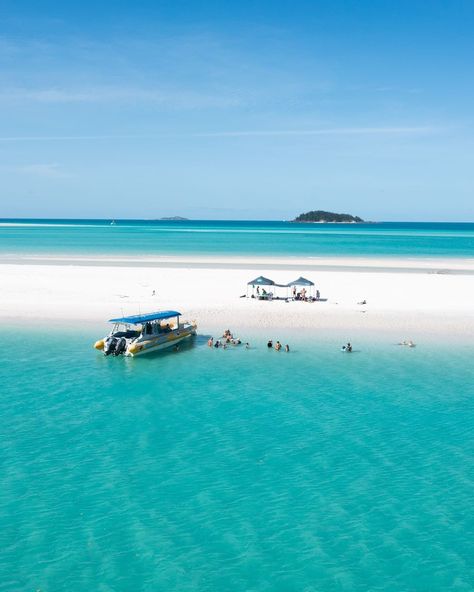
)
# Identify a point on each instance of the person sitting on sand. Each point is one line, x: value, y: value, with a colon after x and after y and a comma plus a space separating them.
x: 270, y: 343
x: 278, y: 346
x: 362, y: 302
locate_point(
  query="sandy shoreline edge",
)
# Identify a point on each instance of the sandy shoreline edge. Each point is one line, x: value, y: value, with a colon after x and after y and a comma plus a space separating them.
x: 462, y: 266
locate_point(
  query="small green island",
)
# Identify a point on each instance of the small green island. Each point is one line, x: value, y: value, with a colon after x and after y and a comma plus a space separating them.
x: 174, y: 218
x: 321, y: 217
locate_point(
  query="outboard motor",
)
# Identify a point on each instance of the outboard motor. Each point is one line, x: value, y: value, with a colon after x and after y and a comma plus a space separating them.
x: 109, y: 345
x: 120, y: 346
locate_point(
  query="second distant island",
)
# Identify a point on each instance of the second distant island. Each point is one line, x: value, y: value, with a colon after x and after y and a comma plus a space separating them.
x: 321, y: 216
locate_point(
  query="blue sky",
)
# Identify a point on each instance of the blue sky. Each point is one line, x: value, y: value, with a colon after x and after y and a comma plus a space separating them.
x: 240, y: 110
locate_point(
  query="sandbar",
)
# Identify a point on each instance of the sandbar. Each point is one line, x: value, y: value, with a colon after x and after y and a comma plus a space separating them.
x: 406, y: 298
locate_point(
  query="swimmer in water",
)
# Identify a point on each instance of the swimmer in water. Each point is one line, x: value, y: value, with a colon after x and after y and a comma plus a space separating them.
x: 278, y: 346
x: 287, y: 348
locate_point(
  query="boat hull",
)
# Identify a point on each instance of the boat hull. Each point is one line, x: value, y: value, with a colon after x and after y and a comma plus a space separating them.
x: 158, y: 344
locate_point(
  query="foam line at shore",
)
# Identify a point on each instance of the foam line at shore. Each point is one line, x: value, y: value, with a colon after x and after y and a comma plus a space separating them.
x: 356, y: 264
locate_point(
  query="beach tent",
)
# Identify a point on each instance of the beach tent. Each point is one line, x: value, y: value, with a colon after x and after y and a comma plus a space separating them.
x: 260, y: 281
x: 263, y: 281
x: 301, y: 281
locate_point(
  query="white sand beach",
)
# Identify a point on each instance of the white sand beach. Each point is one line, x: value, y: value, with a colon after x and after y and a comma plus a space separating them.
x: 405, y: 297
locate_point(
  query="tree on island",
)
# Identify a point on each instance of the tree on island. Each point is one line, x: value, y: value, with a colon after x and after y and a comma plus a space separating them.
x: 322, y: 216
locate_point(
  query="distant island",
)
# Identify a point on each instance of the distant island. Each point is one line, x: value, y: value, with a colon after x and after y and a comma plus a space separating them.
x: 322, y: 216
x: 174, y: 218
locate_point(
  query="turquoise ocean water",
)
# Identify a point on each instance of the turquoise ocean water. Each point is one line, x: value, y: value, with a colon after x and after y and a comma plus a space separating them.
x: 236, y: 470
x: 87, y: 237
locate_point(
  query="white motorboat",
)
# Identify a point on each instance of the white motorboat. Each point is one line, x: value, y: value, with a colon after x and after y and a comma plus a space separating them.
x: 141, y: 334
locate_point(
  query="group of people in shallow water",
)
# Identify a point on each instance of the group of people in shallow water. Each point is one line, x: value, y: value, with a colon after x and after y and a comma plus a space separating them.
x: 277, y: 346
x: 226, y: 340
x: 408, y: 343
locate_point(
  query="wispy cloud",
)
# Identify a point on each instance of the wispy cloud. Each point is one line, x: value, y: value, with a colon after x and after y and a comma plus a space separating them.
x: 49, y: 171
x: 178, y: 99
x: 333, y: 131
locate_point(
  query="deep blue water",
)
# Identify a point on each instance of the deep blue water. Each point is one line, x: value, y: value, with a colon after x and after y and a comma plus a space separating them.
x: 211, y: 470
x: 88, y: 237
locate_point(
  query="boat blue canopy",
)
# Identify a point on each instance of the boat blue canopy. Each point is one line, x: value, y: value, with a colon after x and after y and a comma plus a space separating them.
x: 151, y: 316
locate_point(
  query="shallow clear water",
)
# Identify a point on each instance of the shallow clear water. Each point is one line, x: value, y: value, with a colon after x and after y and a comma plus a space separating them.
x: 235, y: 470
x: 235, y: 238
